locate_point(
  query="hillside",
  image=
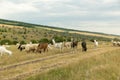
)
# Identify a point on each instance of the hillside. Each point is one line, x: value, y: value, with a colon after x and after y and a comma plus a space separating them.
x: 15, y: 31
x: 97, y: 63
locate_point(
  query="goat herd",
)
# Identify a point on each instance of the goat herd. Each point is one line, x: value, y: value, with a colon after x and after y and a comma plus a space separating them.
x: 42, y: 47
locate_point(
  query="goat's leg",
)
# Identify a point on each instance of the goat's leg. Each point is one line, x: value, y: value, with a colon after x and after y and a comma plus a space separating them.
x: 20, y: 49
x: 44, y: 50
x: 47, y: 49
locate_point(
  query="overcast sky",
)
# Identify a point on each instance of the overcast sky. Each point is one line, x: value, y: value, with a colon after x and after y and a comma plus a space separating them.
x: 88, y: 15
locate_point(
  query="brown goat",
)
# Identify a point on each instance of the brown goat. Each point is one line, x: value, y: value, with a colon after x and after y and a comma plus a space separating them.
x: 42, y: 46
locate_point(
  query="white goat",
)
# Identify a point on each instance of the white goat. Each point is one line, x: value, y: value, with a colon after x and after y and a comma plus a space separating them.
x: 67, y: 44
x: 95, y: 43
x: 31, y: 47
x: 4, y: 50
x: 57, y: 45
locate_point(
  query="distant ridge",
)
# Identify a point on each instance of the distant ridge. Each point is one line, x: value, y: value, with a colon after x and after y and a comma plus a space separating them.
x: 30, y: 25
x: 13, y: 32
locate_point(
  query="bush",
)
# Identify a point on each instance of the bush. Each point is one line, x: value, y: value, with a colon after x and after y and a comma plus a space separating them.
x: 44, y: 40
x: 33, y: 41
x: 59, y: 39
x: 116, y: 39
x: 22, y: 42
x: 6, y: 41
x: 14, y: 42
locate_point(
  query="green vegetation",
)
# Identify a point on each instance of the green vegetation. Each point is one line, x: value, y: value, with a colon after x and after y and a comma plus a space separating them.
x: 18, y: 23
x: 37, y: 33
x: 15, y: 34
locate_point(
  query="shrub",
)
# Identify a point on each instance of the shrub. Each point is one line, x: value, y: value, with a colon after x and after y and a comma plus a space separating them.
x: 59, y: 39
x: 5, y: 41
x: 22, y: 42
x: 33, y: 41
x: 14, y: 42
x: 44, y: 40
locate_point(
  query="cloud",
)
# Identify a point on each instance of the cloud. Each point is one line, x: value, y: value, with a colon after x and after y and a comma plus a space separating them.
x: 67, y: 13
x: 112, y: 13
x: 106, y: 27
x: 10, y: 8
x: 110, y: 1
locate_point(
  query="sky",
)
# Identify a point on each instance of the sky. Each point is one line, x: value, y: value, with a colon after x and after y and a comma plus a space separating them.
x: 89, y: 15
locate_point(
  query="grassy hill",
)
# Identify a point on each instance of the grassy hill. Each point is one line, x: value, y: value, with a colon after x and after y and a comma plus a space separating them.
x: 12, y: 32
x: 101, y: 63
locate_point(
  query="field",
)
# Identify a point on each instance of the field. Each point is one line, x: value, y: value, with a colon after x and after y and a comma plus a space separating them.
x: 105, y: 66
x: 100, y: 63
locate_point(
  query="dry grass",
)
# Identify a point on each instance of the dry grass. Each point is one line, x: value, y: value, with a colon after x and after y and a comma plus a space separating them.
x: 23, y: 56
x: 18, y: 57
x: 99, y: 67
x: 10, y: 26
x: 92, y: 34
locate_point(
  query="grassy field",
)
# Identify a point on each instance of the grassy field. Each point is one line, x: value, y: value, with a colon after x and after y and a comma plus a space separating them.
x: 95, y: 64
x: 100, y: 67
x: 101, y: 63
x: 22, y: 56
